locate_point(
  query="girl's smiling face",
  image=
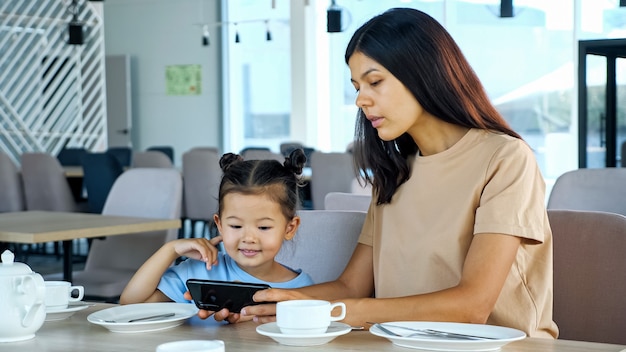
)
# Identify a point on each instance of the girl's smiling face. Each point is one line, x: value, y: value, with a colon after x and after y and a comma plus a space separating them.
x: 253, y: 228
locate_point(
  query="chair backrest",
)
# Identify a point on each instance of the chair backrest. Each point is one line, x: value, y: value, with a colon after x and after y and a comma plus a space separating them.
x: 100, y: 171
x: 589, y: 280
x: 11, y: 188
x: 165, y: 149
x: 330, y: 172
x: 288, y: 147
x: 123, y: 154
x: 151, y: 159
x: 347, y: 201
x: 254, y: 154
x: 201, y: 180
x: 71, y: 156
x: 590, y: 189
x: 45, y: 184
x: 142, y: 192
x: 323, y: 244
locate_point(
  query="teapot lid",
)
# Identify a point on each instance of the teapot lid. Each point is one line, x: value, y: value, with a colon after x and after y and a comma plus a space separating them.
x: 9, y: 267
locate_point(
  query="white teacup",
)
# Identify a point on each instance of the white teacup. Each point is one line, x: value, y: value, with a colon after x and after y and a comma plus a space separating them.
x: 60, y: 293
x: 306, y: 316
x: 192, y: 346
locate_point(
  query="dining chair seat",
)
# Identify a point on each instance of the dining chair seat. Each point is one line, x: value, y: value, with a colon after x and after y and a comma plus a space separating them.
x: 100, y: 170
x: 589, y: 280
x: 347, y: 201
x: 201, y: 179
x: 123, y: 155
x: 590, y: 189
x: 330, y: 172
x: 151, y: 159
x: 112, y: 261
x: 323, y: 244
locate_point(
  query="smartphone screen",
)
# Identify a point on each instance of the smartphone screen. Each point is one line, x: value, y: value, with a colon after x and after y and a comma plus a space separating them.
x: 215, y: 295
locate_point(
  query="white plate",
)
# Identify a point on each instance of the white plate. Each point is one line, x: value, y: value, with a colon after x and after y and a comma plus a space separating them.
x: 60, y: 314
x: 335, y: 329
x: 122, y: 314
x: 501, y: 336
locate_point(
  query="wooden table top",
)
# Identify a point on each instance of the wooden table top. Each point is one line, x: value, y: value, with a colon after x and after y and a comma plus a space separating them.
x: 47, y: 226
x: 77, y: 334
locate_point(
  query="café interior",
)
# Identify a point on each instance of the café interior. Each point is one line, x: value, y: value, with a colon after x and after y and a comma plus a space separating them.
x: 91, y: 90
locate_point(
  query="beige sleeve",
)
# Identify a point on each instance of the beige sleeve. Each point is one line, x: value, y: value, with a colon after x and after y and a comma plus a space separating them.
x: 513, y: 199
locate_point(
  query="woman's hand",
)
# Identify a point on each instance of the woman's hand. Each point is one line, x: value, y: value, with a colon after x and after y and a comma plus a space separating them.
x: 199, y: 248
x: 265, y: 313
x: 222, y: 315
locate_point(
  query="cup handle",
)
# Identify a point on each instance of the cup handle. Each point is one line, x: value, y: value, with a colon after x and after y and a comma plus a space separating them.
x: 81, y: 293
x: 343, y: 311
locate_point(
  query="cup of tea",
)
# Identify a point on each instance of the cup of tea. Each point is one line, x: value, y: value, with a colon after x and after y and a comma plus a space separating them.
x: 60, y: 293
x: 192, y: 346
x: 307, y: 316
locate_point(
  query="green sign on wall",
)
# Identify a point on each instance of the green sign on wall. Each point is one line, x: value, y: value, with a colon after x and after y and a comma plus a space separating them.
x: 183, y: 80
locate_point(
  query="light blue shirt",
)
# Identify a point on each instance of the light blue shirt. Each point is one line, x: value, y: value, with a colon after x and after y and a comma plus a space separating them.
x: 173, y: 285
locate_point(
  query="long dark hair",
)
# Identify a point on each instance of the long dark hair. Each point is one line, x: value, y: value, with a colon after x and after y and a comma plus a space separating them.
x: 279, y: 181
x: 422, y: 55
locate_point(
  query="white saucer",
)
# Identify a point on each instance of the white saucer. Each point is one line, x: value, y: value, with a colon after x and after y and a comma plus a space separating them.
x: 335, y: 329
x: 60, y: 314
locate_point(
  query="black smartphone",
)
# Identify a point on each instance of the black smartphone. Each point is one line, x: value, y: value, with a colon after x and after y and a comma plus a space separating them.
x: 215, y: 295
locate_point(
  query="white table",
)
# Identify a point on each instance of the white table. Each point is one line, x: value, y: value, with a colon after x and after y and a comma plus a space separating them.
x: 47, y: 226
x: 77, y: 334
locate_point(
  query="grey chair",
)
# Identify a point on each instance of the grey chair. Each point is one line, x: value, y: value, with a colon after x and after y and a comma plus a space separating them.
x: 590, y: 189
x: 323, y: 244
x: 589, y: 280
x: 11, y: 193
x: 201, y: 180
x: 256, y: 154
x: 347, y: 201
x: 330, y: 172
x: 46, y: 188
x: 11, y: 188
x: 142, y: 192
x: 45, y: 184
x: 151, y: 159
x: 165, y: 149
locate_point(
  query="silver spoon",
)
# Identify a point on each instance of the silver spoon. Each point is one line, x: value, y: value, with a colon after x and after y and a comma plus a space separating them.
x: 158, y: 316
x: 429, y: 332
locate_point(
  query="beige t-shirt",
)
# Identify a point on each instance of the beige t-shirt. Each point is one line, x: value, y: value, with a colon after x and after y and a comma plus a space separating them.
x: 485, y: 183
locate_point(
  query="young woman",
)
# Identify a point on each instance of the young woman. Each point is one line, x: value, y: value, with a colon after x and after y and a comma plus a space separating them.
x: 257, y: 212
x: 457, y: 229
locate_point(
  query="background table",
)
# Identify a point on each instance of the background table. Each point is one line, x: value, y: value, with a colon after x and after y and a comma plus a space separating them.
x: 46, y: 226
x: 77, y: 334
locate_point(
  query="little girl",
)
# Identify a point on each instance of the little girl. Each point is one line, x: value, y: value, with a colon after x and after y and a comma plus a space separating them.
x: 257, y: 212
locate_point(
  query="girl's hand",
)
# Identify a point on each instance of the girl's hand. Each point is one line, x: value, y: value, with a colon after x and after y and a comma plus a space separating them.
x: 199, y: 249
x: 265, y: 313
x: 202, y: 314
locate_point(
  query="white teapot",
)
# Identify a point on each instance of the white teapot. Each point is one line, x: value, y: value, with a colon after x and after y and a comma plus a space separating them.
x: 22, y: 295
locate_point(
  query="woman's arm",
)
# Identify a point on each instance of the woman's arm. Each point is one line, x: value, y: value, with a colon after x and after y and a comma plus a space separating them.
x: 485, y: 270
x: 357, y: 280
x: 143, y: 285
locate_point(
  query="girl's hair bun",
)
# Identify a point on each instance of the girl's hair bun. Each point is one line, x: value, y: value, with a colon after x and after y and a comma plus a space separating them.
x: 228, y: 159
x: 295, y: 161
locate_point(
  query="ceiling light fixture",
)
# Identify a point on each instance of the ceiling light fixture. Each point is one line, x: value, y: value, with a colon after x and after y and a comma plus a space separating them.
x: 206, y: 37
x: 74, y: 28
x: 506, y: 8
x: 268, y: 35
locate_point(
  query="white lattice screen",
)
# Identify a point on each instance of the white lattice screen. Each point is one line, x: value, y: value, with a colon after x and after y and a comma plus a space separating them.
x: 52, y: 94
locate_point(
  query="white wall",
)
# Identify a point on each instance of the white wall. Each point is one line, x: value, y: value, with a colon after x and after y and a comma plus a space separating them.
x: 158, y: 33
